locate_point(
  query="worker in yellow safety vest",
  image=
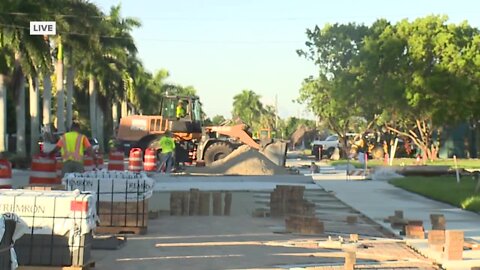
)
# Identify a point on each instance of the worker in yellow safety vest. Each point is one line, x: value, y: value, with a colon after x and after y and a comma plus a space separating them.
x: 180, y: 110
x: 167, y: 144
x: 73, y: 146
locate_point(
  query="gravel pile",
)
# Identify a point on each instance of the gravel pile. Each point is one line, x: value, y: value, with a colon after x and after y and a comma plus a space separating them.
x: 244, y: 161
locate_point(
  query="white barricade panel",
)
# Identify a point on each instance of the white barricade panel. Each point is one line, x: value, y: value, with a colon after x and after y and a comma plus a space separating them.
x: 112, y: 186
x: 44, y: 212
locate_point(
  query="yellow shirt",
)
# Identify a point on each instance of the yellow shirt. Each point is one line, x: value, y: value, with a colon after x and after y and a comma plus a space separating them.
x: 167, y: 144
x: 180, y: 112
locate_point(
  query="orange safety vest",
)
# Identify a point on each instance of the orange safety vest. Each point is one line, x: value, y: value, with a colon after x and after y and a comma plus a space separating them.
x: 72, y: 146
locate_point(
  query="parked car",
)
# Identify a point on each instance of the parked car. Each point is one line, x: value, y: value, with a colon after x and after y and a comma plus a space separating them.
x: 327, y: 146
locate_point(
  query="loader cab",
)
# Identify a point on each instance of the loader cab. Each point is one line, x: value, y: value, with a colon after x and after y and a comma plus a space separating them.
x: 191, y: 107
x: 183, y: 112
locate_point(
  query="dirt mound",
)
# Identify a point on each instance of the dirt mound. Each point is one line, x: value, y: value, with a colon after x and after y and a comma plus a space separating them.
x: 237, y: 152
x: 244, y: 161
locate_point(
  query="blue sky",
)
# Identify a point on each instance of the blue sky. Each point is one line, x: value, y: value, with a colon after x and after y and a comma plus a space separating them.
x: 221, y: 47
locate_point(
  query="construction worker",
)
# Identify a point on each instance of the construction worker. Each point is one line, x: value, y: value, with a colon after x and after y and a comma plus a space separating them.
x: 180, y: 111
x: 167, y: 144
x: 73, y: 145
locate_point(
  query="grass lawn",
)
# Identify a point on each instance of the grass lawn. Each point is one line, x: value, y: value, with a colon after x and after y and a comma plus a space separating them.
x: 444, y: 189
x: 462, y: 163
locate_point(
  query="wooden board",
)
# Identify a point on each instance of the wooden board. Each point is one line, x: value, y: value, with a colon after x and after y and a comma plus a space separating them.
x: 45, y: 187
x: 121, y: 230
x: 88, y: 266
x: 121, y: 214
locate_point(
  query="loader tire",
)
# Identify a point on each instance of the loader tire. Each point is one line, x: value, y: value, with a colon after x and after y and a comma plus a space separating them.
x: 217, y: 151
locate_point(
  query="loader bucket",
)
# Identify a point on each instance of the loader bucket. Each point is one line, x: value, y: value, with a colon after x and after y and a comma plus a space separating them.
x: 276, y: 152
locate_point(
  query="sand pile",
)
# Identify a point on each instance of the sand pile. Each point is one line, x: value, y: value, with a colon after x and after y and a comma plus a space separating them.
x: 244, y: 161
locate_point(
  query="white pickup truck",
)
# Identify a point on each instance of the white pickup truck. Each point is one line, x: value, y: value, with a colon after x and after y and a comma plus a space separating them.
x: 328, y: 146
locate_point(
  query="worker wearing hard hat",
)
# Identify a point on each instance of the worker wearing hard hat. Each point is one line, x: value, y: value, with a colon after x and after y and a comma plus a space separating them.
x: 73, y: 146
x: 180, y: 111
x: 167, y: 144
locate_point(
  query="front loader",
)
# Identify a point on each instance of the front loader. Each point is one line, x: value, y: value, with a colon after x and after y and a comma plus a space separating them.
x: 194, y: 142
x: 219, y: 141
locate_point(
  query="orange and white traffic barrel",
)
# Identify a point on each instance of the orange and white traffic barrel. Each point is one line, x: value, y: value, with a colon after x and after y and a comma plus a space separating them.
x: 135, y: 160
x: 100, y: 164
x: 115, y: 161
x: 88, y: 164
x: 5, y: 174
x: 43, y: 170
x: 150, y: 163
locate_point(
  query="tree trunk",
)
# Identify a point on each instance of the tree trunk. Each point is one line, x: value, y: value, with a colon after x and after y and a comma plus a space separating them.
x: 100, y: 127
x: 47, y: 100
x: 421, y: 136
x: 34, y: 97
x: 124, y: 109
x: 60, y: 97
x: 108, y: 127
x: 70, y: 77
x: 3, y: 113
x: 60, y: 89
x: 92, y: 92
x: 20, y: 119
x: 114, y: 115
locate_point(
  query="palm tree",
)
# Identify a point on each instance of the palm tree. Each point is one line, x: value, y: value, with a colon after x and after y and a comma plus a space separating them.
x: 78, y: 35
x: 3, y: 112
x: 28, y: 54
x: 69, y: 86
x: 268, y: 117
x: 47, y: 99
x: 59, y: 87
x: 111, y: 67
x: 34, y: 97
x: 248, y: 107
x: 18, y: 83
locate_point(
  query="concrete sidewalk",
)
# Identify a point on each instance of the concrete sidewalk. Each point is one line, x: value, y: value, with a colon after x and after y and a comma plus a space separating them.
x: 379, y: 199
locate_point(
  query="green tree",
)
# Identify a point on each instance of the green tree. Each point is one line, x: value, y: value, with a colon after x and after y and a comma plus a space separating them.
x: 268, y: 118
x: 334, y: 49
x: 110, y: 68
x: 406, y: 76
x: 20, y: 55
x: 248, y: 107
x: 218, y: 120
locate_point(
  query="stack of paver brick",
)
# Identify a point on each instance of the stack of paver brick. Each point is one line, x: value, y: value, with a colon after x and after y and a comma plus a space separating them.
x: 288, y: 201
x: 196, y: 202
x: 449, y: 242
